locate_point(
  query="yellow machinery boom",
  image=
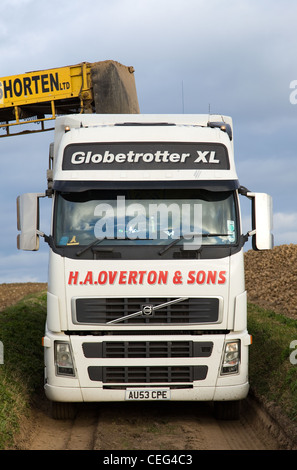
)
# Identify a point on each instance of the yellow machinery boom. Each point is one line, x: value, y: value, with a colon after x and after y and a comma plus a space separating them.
x: 36, y: 97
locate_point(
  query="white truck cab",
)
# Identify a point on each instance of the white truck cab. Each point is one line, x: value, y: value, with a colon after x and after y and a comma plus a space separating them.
x: 146, y: 292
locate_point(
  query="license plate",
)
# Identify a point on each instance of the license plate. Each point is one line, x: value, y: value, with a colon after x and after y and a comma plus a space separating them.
x: 155, y: 394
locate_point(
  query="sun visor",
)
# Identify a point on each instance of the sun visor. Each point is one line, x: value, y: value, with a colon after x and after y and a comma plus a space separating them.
x: 79, y: 186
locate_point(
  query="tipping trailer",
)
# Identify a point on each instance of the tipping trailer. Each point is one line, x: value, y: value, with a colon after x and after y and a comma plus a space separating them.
x: 146, y: 292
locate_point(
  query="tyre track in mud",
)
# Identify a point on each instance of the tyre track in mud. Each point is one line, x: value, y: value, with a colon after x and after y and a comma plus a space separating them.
x: 146, y: 426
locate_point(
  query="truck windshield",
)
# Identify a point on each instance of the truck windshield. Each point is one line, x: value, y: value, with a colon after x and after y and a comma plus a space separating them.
x: 163, y: 217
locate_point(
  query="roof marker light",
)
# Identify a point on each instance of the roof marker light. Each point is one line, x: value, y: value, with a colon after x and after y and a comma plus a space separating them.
x: 223, y: 126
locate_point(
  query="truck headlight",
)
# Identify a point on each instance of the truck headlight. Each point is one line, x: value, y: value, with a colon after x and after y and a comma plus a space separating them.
x: 63, y: 359
x: 231, y: 358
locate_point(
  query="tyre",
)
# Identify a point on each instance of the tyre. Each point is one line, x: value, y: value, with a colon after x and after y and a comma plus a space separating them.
x: 227, y: 410
x: 61, y: 410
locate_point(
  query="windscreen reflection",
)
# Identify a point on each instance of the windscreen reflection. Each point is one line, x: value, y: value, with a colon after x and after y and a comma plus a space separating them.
x: 145, y: 217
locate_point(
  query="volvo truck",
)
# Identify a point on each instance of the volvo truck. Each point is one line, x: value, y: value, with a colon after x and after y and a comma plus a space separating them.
x: 146, y: 292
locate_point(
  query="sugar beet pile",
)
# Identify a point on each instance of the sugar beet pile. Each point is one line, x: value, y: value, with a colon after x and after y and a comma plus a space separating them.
x: 271, y: 279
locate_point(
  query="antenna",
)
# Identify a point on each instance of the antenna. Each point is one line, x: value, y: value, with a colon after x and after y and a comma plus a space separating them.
x: 183, y: 102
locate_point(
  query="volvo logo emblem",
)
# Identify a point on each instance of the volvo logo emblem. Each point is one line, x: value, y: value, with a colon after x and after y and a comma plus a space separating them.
x: 147, y: 310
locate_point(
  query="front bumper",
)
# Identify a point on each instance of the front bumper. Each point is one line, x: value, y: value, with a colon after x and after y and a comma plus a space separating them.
x: 83, y: 387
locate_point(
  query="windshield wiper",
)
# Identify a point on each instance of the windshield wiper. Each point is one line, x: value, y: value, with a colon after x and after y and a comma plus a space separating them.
x: 203, y: 235
x: 147, y: 310
x: 95, y: 242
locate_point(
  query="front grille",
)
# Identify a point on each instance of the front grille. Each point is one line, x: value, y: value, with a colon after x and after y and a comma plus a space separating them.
x: 142, y: 374
x: 188, y: 311
x: 150, y: 349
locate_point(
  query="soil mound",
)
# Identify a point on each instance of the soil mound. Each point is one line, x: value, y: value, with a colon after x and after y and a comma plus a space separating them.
x: 12, y: 293
x: 271, y: 279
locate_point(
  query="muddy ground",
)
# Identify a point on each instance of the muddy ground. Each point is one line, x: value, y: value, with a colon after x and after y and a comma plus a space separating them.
x: 271, y: 281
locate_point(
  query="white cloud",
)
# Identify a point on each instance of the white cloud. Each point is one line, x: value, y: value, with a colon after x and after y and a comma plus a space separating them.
x: 285, y: 227
x: 285, y: 221
x: 23, y: 267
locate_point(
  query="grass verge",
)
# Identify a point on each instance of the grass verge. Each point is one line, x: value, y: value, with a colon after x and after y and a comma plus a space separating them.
x: 272, y: 372
x: 272, y: 375
x: 21, y: 375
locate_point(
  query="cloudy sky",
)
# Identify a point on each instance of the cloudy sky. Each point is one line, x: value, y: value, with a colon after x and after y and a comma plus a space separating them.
x: 236, y: 57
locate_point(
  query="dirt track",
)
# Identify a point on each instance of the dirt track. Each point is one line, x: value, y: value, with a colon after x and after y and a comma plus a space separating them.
x: 169, y: 426
x: 148, y: 426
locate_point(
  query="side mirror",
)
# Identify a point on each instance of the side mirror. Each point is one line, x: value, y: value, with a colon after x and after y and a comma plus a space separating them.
x: 262, y: 221
x: 28, y: 221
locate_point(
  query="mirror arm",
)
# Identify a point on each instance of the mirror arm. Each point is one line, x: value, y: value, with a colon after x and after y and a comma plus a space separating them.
x: 47, y: 238
x: 244, y: 191
x: 245, y: 238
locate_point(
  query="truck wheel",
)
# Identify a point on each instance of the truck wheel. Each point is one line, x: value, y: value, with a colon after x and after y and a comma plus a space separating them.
x: 227, y: 410
x: 61, y: 410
